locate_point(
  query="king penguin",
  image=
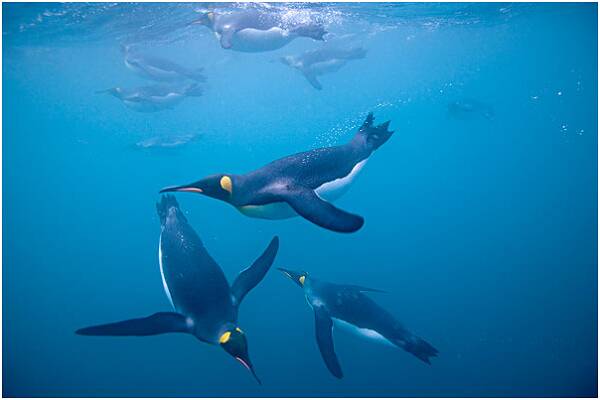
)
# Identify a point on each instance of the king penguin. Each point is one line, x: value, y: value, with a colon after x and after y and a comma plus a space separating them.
x: 300, y: 184
x: 347, y: 306
x: 204, y: 304
x: 253, y: 30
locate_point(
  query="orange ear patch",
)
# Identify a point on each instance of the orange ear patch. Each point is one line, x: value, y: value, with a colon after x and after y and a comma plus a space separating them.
x: 226, y: 184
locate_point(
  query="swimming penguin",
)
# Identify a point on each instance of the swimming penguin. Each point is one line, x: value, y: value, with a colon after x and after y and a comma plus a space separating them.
x: 168, y: 141
x: 300, y: 184
x: 313, y: 63
x: 204, y: 304
x: 156, y: 97
x: 470, y: 108
x: 158, y: 69
x: 348, y: 307
x: 253, y: 31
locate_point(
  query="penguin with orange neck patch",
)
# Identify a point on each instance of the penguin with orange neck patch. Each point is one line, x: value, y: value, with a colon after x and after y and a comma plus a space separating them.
x: 348, y: 307
x: 254, y: 30
x: 204, y: 304
x: 301, y: 184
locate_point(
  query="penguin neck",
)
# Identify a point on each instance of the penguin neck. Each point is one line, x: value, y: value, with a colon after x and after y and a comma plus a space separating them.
x: 307, y: 285
x: 227, y: 326
x: 238, y: 183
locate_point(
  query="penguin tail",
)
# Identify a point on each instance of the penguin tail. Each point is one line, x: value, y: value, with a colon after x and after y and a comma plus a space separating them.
x: 371, y: 135
x: 162, y: 207
x: 420, y: 349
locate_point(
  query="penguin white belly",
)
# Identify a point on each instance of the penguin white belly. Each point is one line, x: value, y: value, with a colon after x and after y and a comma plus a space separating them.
x: 141, y: 106
x: 327, y: 67
x: 255, y: 40
x: 333, y: 190
x: 162, y: 273
x: 150, y: 71
x: 362, y: 332
x: 168, y: 99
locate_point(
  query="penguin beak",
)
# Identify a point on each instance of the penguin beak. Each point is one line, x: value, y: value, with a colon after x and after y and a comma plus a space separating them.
x: 184, y: 188
x: 287, y: 272
x: 248, y: 365
x: 296, y: 277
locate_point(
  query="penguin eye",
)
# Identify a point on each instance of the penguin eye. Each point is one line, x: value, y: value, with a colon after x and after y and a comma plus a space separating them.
x: 225, y: 337
x: 302, y: 279
x: 226, y: 184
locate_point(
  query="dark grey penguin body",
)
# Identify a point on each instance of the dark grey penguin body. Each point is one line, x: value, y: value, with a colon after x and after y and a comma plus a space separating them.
x: 204, y: 304
x: 300, y: 184
x: 470, y: 108
x: 254, y: 30
x: 155, y: 98
x: 326, y: 60
x: 347, y: 306
x: 158, y: 69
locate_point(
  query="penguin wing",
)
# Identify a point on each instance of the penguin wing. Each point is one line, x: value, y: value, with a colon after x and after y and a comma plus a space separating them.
x: 312, y: 79
x: 324, y: 333
x: 251, y: 276
x: 162, y: 322
x: 226, y: 38
x: 318, y: 211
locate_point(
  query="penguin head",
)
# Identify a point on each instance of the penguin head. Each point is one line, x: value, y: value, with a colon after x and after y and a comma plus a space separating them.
x: 206, y: 19
x: 218, y: 186
x: 299, y: 277
x: 234, y: 342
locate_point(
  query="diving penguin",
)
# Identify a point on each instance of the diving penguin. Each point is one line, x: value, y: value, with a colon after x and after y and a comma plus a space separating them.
x: 300, y: 184
x: 348, y: 307
x: 204, y: 304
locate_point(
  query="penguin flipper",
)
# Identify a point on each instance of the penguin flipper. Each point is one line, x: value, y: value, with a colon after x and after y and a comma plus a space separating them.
x: 251, y: 276
x: 312, y: 79
x: 227, y: 38
x: 155, y: 324
x: 324, y: 334
x: 318, y: 211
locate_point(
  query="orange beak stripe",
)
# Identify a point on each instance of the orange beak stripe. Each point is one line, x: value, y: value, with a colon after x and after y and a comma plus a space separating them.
x: 190, y: 189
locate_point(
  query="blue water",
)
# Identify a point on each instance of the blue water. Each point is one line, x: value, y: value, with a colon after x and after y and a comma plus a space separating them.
x: 483, y: 228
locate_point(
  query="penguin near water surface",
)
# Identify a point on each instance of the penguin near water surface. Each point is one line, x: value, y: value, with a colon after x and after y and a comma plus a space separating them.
x: 253, y: 30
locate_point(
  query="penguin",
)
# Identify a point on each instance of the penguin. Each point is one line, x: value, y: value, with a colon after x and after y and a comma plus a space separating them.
x: 470, y: 109
x: 326, y: 60
x: 156, y: 97
x: 204, y: 305
x: 168, y: 142
x: 158, y: 69
x: 348, y: 307
x: 301, y: 184
x: 255, y: 31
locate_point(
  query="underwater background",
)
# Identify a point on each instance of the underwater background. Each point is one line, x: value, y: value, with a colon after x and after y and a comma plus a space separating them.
x: 480, y: 211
